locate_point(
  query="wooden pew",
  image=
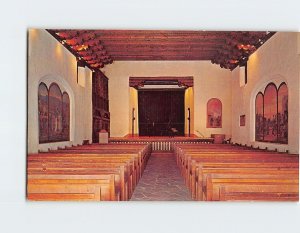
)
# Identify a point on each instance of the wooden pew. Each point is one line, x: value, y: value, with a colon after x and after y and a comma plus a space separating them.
x: 83, y: 162
x: 143, y: 151
x: 240, y: 171
x: 70, y: 187
x: 280, y: 185
x: 259, y: 193
x: 193, y: 161
x: 138, y: 162
x: 197, y: 162
x: 92, y: 158
x: 122, y: 167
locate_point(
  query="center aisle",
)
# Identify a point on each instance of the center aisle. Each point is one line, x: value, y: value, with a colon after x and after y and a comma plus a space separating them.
x: 161, y: 181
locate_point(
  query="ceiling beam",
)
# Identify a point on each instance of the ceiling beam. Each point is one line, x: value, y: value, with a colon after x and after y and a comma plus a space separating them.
x: 159, y: 57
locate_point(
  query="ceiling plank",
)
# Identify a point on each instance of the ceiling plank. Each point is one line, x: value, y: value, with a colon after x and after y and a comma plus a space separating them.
x: 226, y: 48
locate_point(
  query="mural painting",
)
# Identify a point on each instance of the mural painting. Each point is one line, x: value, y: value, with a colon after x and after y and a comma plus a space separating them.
x: 259, y: 117
x: 214, y: 113
x: 283, y: 114
x: 66, y: 116
x: 43, y: 112
x: 54, y: 114
x: 270, y: 113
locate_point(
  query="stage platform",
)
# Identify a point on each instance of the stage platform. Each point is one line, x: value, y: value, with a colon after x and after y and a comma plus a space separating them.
x: 160, y: 143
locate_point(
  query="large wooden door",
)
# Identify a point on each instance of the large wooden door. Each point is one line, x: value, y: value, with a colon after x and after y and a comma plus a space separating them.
x: 160, y: 110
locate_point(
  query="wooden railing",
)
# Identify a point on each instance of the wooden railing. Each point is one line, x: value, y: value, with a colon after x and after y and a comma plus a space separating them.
x: 162, y: 144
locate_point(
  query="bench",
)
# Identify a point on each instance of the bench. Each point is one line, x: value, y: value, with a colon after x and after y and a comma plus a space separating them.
x: 201, y: 164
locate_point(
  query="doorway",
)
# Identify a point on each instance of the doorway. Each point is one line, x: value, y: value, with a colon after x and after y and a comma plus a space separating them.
x: 159, y: 111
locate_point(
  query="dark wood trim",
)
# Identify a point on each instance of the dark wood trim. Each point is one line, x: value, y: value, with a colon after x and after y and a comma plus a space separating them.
x: 189, y: 119
x: 76, y: 55
x: 182, y: 81
x: 133, y: 119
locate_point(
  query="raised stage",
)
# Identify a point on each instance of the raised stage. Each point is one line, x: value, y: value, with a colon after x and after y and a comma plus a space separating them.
x: 160, y: 143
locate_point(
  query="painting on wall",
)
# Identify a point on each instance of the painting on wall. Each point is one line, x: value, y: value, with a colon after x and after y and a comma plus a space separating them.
x: 282, y: 116
x: 55, y: 113
x: 259, y: 117
x: 214, y: 113
x: 66, y: 117
x: 270, y: 113
x: 43, y: 112
x: 242, y: 120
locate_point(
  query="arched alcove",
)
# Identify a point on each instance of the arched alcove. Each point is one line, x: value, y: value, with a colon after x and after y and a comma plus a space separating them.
x: 277, y: 80
x: 269, y: 111
x: 214, y: 113
x: 67, y: 104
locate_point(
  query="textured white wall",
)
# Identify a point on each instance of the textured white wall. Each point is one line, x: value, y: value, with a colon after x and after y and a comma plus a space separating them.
x: 276, y: 61
x: 49, y: 61
x: 209, y: 81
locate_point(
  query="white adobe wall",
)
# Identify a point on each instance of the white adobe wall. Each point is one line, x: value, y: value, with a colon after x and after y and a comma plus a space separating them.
x: 209, y: 82
x: 49, y: 61
x: 276, y: 61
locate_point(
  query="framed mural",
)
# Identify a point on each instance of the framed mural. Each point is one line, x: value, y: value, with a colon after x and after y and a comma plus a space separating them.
x: 270, y: 113
x: 214, y: 113
x: 271, y: 110
x: 282, y: 116
x: 43, y: 112
x: 54, y: 114
x: 259, y: 117
x: 242, y: 120
x: 66, y: 116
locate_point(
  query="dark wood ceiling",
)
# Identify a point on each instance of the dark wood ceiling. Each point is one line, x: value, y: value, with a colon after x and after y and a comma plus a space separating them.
x: 96, y: 48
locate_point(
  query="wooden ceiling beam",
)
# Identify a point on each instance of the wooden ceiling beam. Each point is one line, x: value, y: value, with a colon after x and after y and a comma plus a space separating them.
x: 162, y: 47
x: 99, y: 47
x: 163, y: 50
x: 159, y: 33
x: 161, y: 40
x: 165, y: 58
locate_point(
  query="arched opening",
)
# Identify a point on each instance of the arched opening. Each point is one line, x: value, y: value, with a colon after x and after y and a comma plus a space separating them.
x: 43, y: 103
x: 54, y: 114
x: 214, y: 113
x: 270, y: 113
x: 282, y: 115
x: 259, y: 117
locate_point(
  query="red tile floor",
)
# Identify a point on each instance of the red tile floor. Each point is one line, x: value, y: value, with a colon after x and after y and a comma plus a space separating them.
x: 161, y: 181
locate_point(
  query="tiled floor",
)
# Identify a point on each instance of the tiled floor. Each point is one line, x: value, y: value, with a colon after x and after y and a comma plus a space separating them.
x: 161, y: 181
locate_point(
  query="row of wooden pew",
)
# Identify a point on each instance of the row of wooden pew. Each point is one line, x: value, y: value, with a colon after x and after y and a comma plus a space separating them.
x: 226, y: 172
x: 107, y: 172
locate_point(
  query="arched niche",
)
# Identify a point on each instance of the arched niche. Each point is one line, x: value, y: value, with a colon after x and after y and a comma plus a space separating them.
x: 54, y: 114
x: 270, y: 113
x: 65, y: 87
x: 214, y: 113
x: 282, y: 115
x: 66, y: 117
x: 43, y: 103
x: 259, y: 117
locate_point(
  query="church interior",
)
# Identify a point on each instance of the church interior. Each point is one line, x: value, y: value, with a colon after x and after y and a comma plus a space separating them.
x: 162, y: 115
